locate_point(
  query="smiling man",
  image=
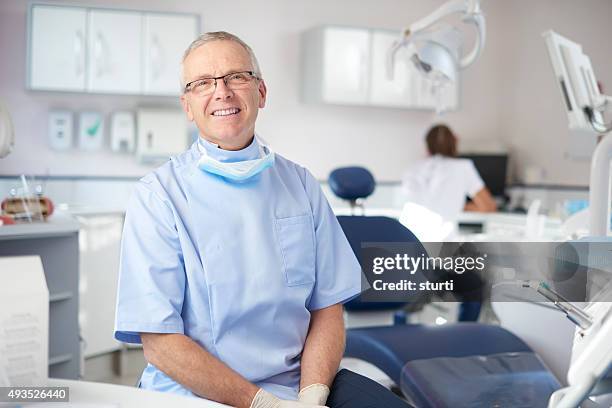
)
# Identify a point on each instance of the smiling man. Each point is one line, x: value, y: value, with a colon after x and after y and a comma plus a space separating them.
x: 228, y: 118
x: 233, y: 266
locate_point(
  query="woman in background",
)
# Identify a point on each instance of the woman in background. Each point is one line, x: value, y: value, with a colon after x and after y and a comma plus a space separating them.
x: 442, y: 181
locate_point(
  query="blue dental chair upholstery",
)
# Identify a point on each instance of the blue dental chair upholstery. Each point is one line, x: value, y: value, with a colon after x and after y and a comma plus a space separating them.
x: 485, y: 355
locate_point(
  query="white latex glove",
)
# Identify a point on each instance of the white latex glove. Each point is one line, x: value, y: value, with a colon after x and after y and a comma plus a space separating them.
x: 264, y: 399
x: 314, y: 394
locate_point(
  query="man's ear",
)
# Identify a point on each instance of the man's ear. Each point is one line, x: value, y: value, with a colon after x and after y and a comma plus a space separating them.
x: 186, y: 107
x: 263, y: 91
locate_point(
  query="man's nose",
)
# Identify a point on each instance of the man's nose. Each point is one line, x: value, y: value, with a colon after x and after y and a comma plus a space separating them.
x: 222, y: 91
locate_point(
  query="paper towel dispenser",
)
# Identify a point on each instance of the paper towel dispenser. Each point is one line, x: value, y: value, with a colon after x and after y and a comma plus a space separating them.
x: 161, y: 134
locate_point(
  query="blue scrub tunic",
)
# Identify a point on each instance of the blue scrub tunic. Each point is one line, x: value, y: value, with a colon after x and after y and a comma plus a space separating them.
x: 237, y: 267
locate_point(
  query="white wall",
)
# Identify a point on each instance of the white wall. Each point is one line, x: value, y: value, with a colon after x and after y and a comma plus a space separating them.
x: 499, y: 98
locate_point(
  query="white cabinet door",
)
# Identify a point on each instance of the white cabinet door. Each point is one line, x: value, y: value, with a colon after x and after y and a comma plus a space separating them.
x: 400, y: 90
x: 165, y: 39
x: 57, y: 48
x: 114, y: 51
x: 99, y: 248
x: 346, y: 65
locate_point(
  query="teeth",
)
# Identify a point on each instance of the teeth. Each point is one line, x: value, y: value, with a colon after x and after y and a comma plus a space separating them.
x: 225, y: 112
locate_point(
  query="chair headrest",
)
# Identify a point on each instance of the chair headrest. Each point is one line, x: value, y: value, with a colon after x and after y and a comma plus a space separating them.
x: 352, y: 183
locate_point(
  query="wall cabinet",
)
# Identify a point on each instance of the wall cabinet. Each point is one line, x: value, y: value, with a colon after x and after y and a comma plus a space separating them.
x: 345, y: 75
x: 57, y: 48
x: 107, y: 51
x: 165, y: 39
x: 114, y: 52
x: 347, y: 66
x: 336, y: 65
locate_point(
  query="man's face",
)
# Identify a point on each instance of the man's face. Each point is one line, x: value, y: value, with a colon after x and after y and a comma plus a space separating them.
x: 230, y: 131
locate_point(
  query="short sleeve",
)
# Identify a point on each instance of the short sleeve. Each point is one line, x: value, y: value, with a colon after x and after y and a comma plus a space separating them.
x: 338, y: 273
x: 151, y: 272
x: 474, y: 182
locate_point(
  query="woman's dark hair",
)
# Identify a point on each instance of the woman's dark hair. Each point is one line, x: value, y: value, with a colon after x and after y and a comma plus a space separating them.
x: 441, y: 140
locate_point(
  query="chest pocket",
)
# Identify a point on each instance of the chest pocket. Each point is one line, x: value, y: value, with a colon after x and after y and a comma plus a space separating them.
x: 297, y: 246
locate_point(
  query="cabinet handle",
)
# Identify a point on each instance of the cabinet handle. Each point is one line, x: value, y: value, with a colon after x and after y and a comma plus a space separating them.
x: 102, y: 55
x: 364, y: 81
x: 79, y: 46
x: 157, y: 58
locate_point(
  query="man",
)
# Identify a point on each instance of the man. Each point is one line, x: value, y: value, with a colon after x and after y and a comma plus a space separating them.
x: 233, y: 266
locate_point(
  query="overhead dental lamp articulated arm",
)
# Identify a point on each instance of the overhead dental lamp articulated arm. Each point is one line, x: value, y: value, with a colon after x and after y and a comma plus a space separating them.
x: 472, y: 14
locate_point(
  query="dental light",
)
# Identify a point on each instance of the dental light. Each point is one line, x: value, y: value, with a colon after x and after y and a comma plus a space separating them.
x: 434, y: 47
x: 7, y: 134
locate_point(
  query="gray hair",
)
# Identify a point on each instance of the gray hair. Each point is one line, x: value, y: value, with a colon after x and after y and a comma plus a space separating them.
x: 218, y: 36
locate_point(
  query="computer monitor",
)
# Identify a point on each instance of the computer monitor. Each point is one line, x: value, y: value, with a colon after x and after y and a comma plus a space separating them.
x: 492, y: 169
x: 576, y: 80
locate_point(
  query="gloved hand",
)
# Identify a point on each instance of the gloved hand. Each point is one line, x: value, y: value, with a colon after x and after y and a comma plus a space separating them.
x: 314, y: 394
x: 264, y: 399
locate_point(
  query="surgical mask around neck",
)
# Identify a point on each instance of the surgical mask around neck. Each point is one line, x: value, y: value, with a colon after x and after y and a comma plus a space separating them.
x: 239, y: 170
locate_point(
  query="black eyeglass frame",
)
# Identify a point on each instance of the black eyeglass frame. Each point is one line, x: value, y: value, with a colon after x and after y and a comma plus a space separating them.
x: 224, y: 77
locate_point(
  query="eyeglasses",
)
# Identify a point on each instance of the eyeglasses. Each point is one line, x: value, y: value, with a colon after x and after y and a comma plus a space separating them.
x: 233, y: 80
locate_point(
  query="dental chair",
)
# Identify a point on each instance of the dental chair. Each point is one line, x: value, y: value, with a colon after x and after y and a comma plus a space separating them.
x: 455, y: 365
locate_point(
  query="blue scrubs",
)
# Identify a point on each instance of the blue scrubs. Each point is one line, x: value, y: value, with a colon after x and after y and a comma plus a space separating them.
x: 237, y: 267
